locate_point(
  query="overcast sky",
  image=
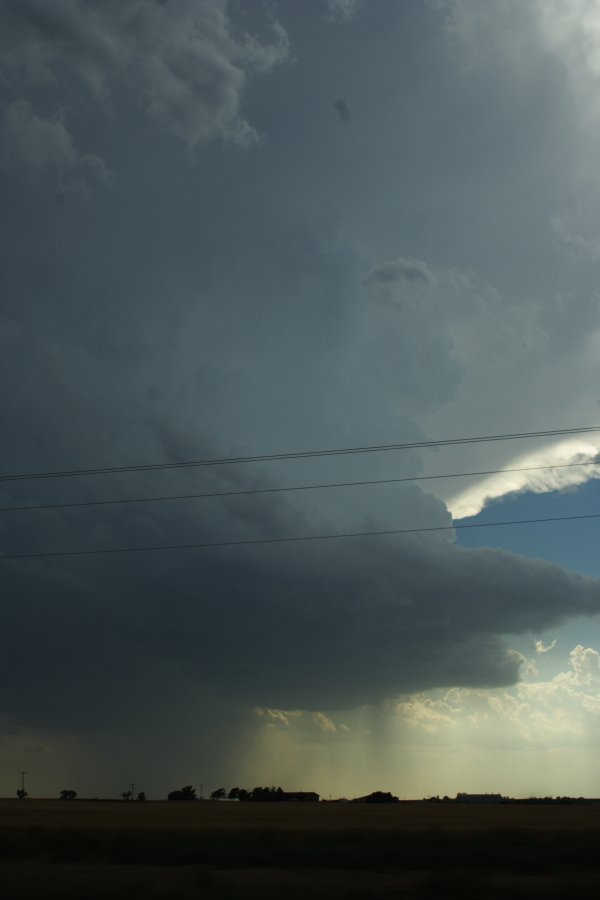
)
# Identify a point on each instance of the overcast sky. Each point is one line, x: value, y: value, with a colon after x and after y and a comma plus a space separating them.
x: 242, y: 228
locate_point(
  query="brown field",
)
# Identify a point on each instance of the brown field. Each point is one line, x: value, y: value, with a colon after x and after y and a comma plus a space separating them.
x: 52, y: 848
x: 208, y: 817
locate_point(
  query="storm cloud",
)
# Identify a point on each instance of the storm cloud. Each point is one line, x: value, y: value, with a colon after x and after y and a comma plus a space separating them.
x: 199, y: 261
x: 303, y: 626
x: 184, y: 66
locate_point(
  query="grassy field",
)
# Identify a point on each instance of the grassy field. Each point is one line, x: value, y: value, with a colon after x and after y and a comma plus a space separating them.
x: 209, y: 850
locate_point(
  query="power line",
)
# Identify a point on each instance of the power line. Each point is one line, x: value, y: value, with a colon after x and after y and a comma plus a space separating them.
x: 301, y: 487
x: 302, y: 454
x: 291, y: 540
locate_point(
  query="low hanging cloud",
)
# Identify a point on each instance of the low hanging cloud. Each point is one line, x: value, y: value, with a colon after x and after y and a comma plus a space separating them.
x: 325, y: 626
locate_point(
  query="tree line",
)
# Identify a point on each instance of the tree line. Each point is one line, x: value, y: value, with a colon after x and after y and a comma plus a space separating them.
x: 273, y: 795
x: 257, y: 794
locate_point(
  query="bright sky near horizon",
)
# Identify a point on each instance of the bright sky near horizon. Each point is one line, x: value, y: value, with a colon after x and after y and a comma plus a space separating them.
x: 235, y: 228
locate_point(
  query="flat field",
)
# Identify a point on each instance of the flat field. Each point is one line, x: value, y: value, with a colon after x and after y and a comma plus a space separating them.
x: 207, y: 850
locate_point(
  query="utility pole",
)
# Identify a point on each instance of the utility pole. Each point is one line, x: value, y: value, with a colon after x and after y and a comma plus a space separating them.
x: 22, y: 793
x: 132, y: 787
x: 201, y: 789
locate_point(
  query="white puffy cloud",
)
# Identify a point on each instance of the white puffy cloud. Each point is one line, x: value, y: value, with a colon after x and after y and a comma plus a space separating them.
x: 575, y: 453
x: 561, y: 710
x: 278, y: 716
x: 303, y: 722
x: 426, y: 713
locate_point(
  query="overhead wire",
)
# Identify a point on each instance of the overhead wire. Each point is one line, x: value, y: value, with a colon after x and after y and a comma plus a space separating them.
x: 302, y: 454
x: 296, y: 455
x: 289, y: 540
x: 301, y: 487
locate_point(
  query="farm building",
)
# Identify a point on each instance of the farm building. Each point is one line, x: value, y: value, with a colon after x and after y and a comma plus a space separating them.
x: 479, y: 798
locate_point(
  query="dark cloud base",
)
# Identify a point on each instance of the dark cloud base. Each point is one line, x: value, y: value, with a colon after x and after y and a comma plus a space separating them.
x: 301, y: 628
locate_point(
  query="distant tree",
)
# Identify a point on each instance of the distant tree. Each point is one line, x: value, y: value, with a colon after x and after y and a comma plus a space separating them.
x: 141, y: 797
x: 237, y: 793
x: 126, y: 795
x: 382, y: 797
x: 67, y: 795
x: 21, y: 794
x: 267, y: 794
x: 186, y: 793
x: 379, y: 797
x: 219, y: 794
x: 189, y: 793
